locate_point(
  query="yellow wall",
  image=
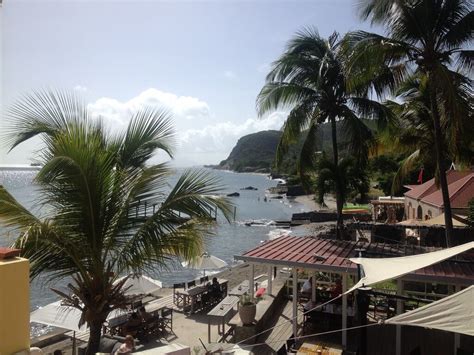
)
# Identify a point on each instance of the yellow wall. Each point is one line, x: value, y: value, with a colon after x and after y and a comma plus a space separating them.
x: 14, y: 306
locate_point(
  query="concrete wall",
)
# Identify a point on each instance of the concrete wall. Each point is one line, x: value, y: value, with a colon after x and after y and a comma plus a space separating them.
x: 411, y: 209
x: 14, y: 306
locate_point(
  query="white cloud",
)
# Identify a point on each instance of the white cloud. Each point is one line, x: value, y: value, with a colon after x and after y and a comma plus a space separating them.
x: 200, y: 141
x: 80, y: 88
x: 216, y: 141
x: 182, y: 107
x: 229, y: 74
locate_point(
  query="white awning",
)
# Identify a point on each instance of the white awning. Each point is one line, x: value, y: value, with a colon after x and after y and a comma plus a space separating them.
x: 454, y: 313
x: 56, y: 315
x: 380, y: 269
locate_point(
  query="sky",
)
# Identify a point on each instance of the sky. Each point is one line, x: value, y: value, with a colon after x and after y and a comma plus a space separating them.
x: 203, y: 61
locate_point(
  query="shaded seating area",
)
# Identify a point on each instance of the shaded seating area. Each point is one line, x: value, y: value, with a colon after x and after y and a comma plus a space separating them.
x: 192, y: 298
x: 143, y: 325
x: 407, y: 264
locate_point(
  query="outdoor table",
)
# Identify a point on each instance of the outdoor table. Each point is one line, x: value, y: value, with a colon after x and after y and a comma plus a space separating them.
x: 240, y: 289
x: 220, y: 312
x: 114, y: 324
x: 192, y: 295
x: 309, y: 348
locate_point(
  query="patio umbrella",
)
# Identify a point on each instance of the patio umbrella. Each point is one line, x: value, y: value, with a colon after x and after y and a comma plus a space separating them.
x: 205, y: 262
x: 57, y: 315
x: 140, y: 285
x: 65, y: 317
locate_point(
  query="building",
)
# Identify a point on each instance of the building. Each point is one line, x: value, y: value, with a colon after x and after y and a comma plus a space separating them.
x: 425, y: 201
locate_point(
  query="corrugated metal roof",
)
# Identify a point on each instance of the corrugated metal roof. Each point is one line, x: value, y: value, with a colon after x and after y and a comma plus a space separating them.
x: 332, y: 255
x: 429, y: 187
x: 460, y: 193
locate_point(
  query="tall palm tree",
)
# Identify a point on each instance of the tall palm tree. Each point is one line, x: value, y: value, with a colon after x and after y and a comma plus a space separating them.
x: 423, y: 37
x: 411, y: 132
x: 106, y: 209
x: 309, y: 78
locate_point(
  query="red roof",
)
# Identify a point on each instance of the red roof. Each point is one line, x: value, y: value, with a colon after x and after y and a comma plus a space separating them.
x: 419, y: 191
x: 460, y: 193
x: 333, y: 256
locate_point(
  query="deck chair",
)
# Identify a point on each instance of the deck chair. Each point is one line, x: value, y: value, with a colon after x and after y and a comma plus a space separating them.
x: 203, y: 279
x: 177, y: 298
x: 166, y: 320
x: 191, y: 283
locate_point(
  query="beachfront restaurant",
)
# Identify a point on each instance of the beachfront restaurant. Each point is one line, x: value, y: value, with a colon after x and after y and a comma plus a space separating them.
x: 358, y: 319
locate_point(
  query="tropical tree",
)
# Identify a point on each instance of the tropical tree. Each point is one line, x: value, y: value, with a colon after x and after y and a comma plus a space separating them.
x: 346, y: 174
x: 309, y: 79
x: 106, y: 209
x: 411, y: 132
x: 425, y: 38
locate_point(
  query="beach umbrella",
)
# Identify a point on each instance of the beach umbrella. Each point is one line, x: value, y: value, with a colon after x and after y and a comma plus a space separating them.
x: 205, y: 262
x: 57, y: 315
x: 140, y: 285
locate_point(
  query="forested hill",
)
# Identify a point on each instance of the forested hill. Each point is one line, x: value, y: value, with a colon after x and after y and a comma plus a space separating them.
x: 253, y: 153
x: 256, y: 152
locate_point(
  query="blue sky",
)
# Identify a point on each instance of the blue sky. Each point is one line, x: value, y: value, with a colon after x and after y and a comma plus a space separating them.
x: 203, y: 60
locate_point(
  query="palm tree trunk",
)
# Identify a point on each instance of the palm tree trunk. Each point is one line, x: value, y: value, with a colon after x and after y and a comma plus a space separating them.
x: 94, y: 337
x: 441, y: 167
x: 339, y: 202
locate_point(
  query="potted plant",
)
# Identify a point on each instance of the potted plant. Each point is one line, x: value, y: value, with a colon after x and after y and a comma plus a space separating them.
x: 247, y: 309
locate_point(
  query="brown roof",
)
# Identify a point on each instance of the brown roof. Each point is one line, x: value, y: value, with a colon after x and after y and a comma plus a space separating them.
x: 460, y: 193
x: 429, y: 187
x: 333, y: 256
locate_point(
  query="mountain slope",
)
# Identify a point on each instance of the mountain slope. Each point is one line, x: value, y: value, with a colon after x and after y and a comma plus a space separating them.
x: 253, y: 153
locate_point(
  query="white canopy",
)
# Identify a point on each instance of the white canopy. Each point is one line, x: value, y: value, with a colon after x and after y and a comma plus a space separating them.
x: 205, y: 262
x: 56, y: 315
x: 454, y: 313
x: 140, y: 285
x: 380, y: 269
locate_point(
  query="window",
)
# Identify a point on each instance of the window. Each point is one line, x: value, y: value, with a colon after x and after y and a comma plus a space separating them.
x: 419, y: 214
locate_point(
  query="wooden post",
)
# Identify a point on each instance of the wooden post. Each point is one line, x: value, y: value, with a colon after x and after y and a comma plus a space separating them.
x: 251, y: 281
x: 457, y: 338
x: 270, y: 277
x: 344, y: 311
x: 295, y: 301
x: 313, y: 287
x: 398, y: 329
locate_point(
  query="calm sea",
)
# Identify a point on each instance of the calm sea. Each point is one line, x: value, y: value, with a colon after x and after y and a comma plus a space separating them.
x: 230, y: 238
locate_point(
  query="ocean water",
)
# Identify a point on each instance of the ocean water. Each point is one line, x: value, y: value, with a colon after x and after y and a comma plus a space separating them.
x: 229, y: 238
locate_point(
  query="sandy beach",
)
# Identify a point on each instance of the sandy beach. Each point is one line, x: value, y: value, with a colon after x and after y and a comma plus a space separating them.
x: 310, y: 204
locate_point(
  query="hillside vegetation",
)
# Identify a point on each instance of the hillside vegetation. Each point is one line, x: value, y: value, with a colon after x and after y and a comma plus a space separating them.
x: 256, y: 152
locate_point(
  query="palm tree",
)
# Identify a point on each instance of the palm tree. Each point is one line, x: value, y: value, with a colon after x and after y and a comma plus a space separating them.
x: 411, y: 132
x: 346, y: 174
x: 309, y: 78
x: 426, y: 38
x: 96, y: 190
